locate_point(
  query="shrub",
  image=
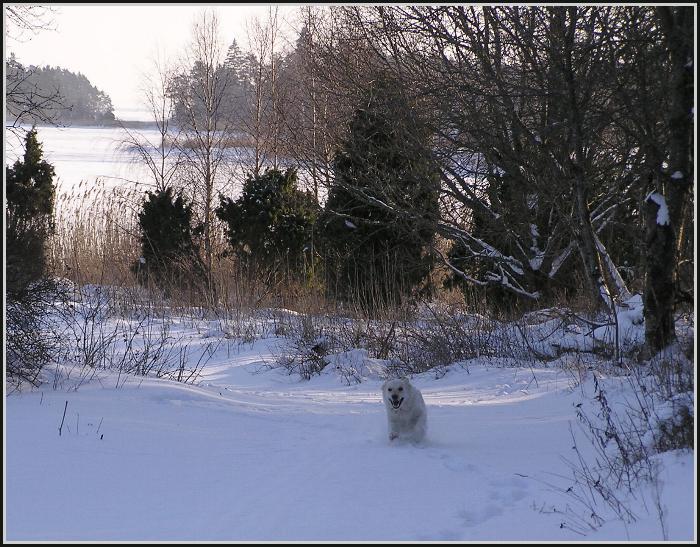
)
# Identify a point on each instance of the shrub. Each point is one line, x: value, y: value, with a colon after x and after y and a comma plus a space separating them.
x: 30, y: 202
x: 169, y: 254
x: 271, y: 223
x: 30, y: 293
x: 306, y: 350
x: 31, y: 342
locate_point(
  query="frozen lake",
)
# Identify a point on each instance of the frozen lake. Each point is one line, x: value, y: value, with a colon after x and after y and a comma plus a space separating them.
x: 87, y: 154
x: 89, y: 158
x: 93, y: 166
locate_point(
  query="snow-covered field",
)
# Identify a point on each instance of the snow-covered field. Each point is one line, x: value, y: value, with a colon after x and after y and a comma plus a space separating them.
x: 251, y: 453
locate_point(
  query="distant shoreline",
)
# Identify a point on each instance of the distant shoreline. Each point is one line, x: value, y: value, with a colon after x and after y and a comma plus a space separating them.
x: 129, y: 124
x: 136, y: 124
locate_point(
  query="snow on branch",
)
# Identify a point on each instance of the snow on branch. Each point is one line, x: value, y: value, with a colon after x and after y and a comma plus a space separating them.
x: 508, y: 268
x: 662, y: 218
x: 622, y: 290
x: 559, y: 260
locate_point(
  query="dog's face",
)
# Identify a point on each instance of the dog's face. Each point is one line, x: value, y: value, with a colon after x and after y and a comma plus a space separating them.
x: 395, y: 392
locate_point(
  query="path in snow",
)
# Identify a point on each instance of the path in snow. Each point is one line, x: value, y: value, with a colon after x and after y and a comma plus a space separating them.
x: 265, y: 457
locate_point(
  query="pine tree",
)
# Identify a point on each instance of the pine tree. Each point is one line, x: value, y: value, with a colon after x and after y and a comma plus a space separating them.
x: 271, y: 223
x: 30, y: 291
x: 236, y: 61
x: 169, y: 254
x: 238, y: 88
x: 29, y: 215
x: 382, y: 207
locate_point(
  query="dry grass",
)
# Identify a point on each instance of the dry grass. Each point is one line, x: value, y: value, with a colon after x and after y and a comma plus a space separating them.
x: 96, y: 237
x: 97, y: 240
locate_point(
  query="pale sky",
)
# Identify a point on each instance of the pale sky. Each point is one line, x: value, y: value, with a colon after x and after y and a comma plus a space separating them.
x: 113, y: 44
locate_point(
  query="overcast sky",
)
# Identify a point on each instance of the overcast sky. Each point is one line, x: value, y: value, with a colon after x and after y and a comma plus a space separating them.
x: 112, y: 44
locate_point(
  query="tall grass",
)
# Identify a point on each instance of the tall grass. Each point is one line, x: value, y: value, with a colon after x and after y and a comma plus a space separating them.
x: 95, y: 235
x: 97, y: 241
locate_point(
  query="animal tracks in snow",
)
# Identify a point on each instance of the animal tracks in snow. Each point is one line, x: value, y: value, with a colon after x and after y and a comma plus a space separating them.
x: 487, y: 497
x: 496, y: 498
x: 452, y: 462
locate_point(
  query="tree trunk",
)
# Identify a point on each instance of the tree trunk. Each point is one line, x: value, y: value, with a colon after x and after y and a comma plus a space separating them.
x: 587, y: 246
x: 595, y: 277
x: 659, y: 283
x: 662, y: 230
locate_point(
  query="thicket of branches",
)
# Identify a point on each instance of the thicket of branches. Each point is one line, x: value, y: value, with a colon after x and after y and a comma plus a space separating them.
x: 563, y: 135
x: 560, y: 138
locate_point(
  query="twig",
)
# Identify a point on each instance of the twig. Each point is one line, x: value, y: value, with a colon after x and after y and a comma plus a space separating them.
x: 64, y: 417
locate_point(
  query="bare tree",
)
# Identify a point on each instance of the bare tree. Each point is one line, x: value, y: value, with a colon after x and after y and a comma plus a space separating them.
x: 263, y: 120
x: 669, y: 197
x: 161, y: 157
x: 517, y: 97
x: 653, y: 90
x: 200, y: 92
x: 561, y: 131
x: 309, y: 122
x: 27, y: 19
x: 24, y: 99
x: 273, y: 33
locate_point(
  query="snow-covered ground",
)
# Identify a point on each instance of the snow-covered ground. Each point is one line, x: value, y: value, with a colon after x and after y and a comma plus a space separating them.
x: 250, y: 453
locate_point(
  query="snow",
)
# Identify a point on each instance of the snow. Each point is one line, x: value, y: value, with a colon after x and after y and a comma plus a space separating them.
x: 355, y: 363
x: 85, y: 154
x: 621, y: 328
x: 662, y: 218
x: 630, y: 324
x: 350, y: 224
x: 613, y: 270
x: 559, y: 260
x: 535, y: 261
x: 87, y: 157
x: 677, y: 175
x: 250, y: 453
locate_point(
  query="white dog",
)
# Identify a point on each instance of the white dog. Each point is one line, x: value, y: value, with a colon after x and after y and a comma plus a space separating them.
x: 405, y: 409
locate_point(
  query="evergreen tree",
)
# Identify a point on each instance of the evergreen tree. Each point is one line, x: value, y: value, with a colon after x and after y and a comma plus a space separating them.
x: 238, y: 89
x: 169, y: 254
x: 382, y: 207
x: 30, y: 343
x: 236, y: 61
x: 30, y: 201
x: 271, y: 223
